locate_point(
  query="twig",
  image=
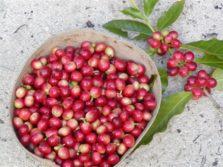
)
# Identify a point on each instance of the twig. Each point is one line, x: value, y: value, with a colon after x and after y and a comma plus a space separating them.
x: 19, y: 28
x: 215, y: 103
x: 196, y: 138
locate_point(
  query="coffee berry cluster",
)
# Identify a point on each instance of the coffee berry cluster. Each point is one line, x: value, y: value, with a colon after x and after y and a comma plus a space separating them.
x: 161, y: 42
x: 200, y: 84
x: 82, y: 106
x: 181, y: 63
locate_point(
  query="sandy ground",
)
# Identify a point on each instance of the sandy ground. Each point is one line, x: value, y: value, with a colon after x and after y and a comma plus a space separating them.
x: 193, y: 139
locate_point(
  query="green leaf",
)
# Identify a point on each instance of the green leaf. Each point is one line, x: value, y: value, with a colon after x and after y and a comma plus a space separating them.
x: 218, y: 75
x: 149, y: 6
x: 150, y: 52
x: 210, y: 47
x: 211, y: 61
x: 117, y: 31
x: 152, y: 80
x: 141, y: 37
x: 170, y: 106
x: 133, y: 12
x: 164, y: 79
x: 124, y: 26
x: 170, y: 16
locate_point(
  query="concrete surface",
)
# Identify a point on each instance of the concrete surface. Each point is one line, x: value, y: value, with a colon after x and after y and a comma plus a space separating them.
x: 193, y: 139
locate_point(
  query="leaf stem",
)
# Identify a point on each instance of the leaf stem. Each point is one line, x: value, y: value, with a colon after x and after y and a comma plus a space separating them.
x: 146, y: 20
x: 215, y: 103
x: 148, y: 23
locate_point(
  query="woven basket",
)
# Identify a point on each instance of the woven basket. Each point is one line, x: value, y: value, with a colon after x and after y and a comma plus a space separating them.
x: 123, y: 50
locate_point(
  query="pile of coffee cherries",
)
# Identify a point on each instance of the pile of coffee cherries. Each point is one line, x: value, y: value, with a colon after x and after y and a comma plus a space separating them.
x: 181, y: 63
x: 161, y: 42
x: 82, y: 106
x: 200, y: 84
